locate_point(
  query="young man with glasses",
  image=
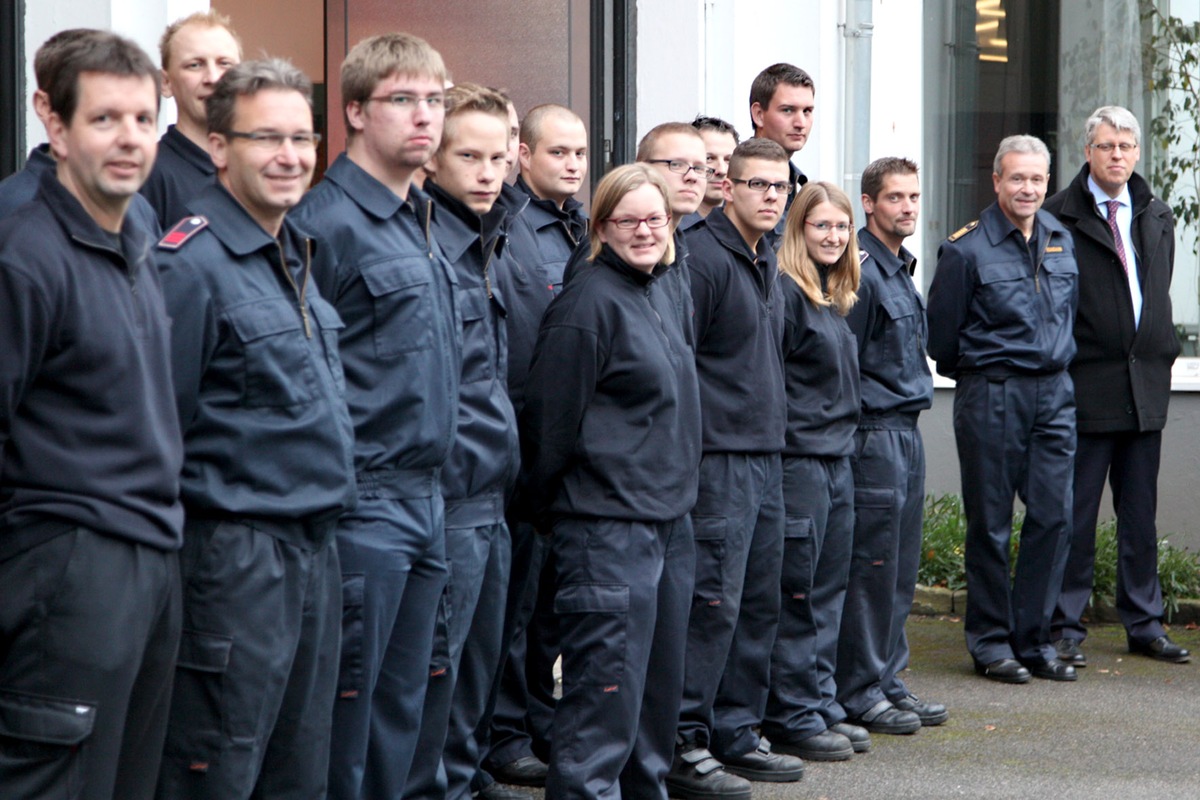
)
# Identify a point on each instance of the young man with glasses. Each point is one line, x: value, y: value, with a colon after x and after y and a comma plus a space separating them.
x: 738, y: 518
x: 196, y: 51
x: 402, y: 351
x: 268, y: 456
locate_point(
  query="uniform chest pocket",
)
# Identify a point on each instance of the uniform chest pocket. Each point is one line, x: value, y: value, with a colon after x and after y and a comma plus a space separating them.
x: 401, y: 290
x: 1005, y: 292
x: 330, y: 325
x: 479, y: 346
x: 1061, y: 279
x: 904, y: 339
x: 277, y: 366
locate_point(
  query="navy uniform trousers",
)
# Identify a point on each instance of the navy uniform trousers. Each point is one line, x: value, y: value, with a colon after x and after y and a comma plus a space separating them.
x: 393, y: 555
x: 818, y: 495
x: 739, y: 522
x: 466, y: 648
x: 889, y: 498
x: 1130, y: 460
x: 623, y: 592
x: 89, y: 627
x: 1015, y: 435
x: 257, y: 663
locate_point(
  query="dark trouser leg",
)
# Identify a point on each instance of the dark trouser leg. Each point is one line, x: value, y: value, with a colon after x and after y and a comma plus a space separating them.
x: 1093, y: 458
x: 393, y: 568
x: 1134, y: 480
x: 911, y: 500
x: 541, y: 651
x: 1047, y: 493
x: 741, y: 699
x: 608, y: 587
x: 818, y: 496
x: 478, y: 666
x: 89, y: 627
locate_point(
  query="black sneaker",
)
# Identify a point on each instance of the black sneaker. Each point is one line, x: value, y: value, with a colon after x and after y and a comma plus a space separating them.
x: 760, y: 764
x: 824, y: 746
x: 696, y: 775
x: 930, y: 713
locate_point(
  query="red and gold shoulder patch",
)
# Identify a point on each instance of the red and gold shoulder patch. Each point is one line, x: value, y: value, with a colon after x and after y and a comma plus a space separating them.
x: 184, y: 230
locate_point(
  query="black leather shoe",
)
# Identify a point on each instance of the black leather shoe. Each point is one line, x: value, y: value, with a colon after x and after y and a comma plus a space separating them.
x: 1004, y: 670
x: 525, y: 771
x: 929, y: 713
x: 494, y: 791
x: 760, y: 764
x: 1053, y: 670
x: 1161, y: 649
x: 859, y: 738
x: 1069, y: 652
x: 883, y: 717
x: 696, y: 775
x: 823, y: 746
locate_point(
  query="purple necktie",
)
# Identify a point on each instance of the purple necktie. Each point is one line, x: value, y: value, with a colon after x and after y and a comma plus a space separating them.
x: 1113, y: 205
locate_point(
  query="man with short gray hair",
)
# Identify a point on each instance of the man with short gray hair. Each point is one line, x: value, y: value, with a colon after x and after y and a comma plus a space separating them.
x: 1000, y: 311
x: 1124, y: 331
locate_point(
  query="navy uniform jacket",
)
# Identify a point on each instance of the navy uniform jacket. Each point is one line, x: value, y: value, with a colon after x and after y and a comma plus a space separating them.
x: 20, y: 187
x: 181, y: 170
x: 541, y: 238
x: 484, y: 459
x: 690, y: 220
x: 401, y: 348
x: 611, y: 424
x: 738, y: 326
x: 257, y: 378
x: 797, y: 178
x: 1122, y: 374
x: 820, y: 362
x: 1000, y: 305
x: 88, y: 430
x: 889, y: 322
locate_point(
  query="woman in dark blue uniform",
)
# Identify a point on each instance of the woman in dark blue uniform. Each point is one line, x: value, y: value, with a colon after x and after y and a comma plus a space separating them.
x: 820, y: 264
x: 611, y: 443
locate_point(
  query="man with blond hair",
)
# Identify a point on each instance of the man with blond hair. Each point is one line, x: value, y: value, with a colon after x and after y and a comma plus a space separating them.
x: 402, y: 351
x: 196, y: 51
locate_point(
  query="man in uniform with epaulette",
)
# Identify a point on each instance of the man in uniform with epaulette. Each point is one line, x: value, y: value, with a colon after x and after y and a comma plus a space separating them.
x: 90, y: 449
x: 268, y: 457
x: 1001, y: 310
x: 402, y: 353
x: 196, y: 51
x: 889, y: 466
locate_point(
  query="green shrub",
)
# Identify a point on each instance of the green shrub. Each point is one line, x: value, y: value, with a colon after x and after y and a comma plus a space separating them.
x: 944, y: 534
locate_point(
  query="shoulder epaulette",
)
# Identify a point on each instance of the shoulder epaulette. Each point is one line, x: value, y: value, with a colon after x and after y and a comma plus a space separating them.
x: 963, y: 231
x: 863, y: 255
x: 184, y: 230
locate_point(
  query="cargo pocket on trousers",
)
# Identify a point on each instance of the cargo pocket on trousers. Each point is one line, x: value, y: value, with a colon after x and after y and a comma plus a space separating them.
x: 40, y: 745
x: 799, y: 560
x: 710, y: 533
x: 594, y: 617
x: 876, y: 524
x: 199, y: 716
x: 350, y: 668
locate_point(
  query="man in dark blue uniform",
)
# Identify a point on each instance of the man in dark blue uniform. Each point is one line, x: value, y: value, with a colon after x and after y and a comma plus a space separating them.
x: 402, y: 353
x: 781, y: 109
x: 720, y: 139
x: 1001, y: 308
x: 545, y: 225
x: 1125, y: 334
x: 90, y: 450
x: 739, y: 516
x: 196, y: 52
x: 19, y: 188
x: 889, y: 465
x: 268, y: 461
x: 465, y: 176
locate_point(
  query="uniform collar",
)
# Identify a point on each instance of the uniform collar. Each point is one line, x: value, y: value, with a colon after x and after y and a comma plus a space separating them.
x: 232, y: 224
x: 461, y: 227
x: 40, y: 160
x: 998, y: 227
x: 365, y: 189
x: 730, y: 237
x: 890, y: 263
x: 188, y: 150
x: 571, y: 213
x: 79, y: 224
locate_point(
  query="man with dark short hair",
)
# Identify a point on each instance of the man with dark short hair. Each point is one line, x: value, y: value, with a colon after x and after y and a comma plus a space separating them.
x: 90, y: 448
x: 1125, y: 333
x: 739, y: 514
x: 720, y: 139
x: 268, y: 456
x: 1001, y: 310
x: 889, y: 470
x: 781, y: 109
x: 196, y: 51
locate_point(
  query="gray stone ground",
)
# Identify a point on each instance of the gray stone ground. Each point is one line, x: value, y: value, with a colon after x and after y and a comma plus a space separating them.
x: 1128, y: 728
